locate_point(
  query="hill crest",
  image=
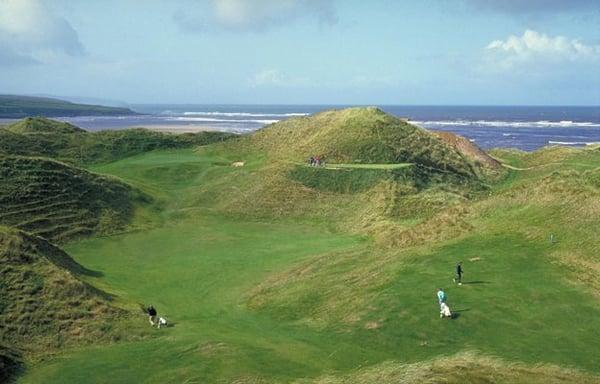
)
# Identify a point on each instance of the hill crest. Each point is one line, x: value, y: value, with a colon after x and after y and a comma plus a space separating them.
x: 33, y: 125
x: 367, y: 136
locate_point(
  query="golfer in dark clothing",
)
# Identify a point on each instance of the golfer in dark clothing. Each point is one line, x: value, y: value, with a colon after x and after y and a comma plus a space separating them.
x: 459, y: 272
x: 151, y: 315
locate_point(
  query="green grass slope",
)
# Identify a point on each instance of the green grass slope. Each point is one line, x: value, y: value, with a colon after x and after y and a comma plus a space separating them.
x: 294, y: 298
x: 58, y: 202
x: 44, y: 306
x: 560, y: 197
x: 384, y: 177
x: 36, y: 136
x: 14, y: 107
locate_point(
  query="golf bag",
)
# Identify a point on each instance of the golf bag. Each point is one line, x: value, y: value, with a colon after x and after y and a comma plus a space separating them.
x: 445, y: 310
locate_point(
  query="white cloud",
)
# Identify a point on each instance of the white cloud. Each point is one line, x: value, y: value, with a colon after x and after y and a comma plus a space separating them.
x: 535, y: 47
x: 256, y: 15
x: 30, y: 32
x: 274, y: 78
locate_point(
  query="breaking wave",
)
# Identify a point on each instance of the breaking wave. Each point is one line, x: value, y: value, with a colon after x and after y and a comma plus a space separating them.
x: 215, y: 120
x: 512, y: 124
x: 244, y: 114
x: 574, y: 142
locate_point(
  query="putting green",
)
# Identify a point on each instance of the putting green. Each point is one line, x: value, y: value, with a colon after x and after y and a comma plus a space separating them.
x: 368, y: 166
x: 198, y: 267
x: 362, y: 166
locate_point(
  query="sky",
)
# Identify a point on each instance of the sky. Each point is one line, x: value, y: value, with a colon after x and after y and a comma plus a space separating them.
x: 428, y: 52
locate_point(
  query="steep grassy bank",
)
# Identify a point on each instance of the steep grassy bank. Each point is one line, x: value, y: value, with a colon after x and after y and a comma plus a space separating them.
x: 44, y: 305
x: 42, y: 298
x: 58, y: 202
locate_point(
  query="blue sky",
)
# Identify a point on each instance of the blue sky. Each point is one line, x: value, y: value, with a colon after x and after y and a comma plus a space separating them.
x: 514, y: 52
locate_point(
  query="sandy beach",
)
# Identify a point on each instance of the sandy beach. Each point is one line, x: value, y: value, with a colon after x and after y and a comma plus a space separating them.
x: 181, y: 128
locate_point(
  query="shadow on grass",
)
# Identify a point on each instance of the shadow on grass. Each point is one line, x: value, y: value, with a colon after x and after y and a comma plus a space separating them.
x: 89, y: 272
x: 463, y: 310
x: 11, y: 363
x: 61, y: 259
x: 476, y: 282
x: 457, y: 313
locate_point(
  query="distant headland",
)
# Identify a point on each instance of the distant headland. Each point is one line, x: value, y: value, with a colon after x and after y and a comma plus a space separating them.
x: 16, y: 107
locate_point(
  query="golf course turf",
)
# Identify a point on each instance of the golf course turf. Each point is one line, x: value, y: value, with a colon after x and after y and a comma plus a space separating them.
x: 271, y: 271
x: 199, y: 268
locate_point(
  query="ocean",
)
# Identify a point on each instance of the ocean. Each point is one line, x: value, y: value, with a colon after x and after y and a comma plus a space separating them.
x: 525, y: 128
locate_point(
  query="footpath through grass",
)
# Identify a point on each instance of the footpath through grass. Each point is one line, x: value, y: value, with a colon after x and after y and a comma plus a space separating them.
x: 198, y: 268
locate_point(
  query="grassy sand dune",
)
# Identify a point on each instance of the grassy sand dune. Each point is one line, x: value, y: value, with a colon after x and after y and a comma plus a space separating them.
x: 366, y: 136
x: 45, y: 305
x: 38, y: 136
x: 59, y: 202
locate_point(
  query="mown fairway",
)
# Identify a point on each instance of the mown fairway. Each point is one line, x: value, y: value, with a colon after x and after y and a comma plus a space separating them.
x: 198, y: 268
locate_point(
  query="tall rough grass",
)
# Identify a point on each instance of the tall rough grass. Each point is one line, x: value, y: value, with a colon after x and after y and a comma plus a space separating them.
x: 43, y: 303
x: 468, y: 367
x: 59, y: 202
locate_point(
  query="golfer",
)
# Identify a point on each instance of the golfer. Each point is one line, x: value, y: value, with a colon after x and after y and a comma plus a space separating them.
x: 151, y: 315
x: 441, y: 295
x: 441, y: 300
x: 459, y: 272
